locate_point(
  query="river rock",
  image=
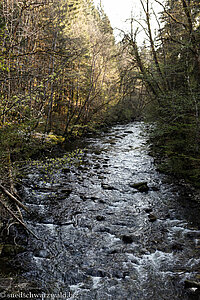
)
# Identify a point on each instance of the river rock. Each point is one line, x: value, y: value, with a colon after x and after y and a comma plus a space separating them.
x: 120, y: 274
x: 102, y: 201
x: 100, y: 218
x: 96, y: 273
x: 66, y: 170
x: 94, y: 198
x: 97, y: 166
x: 127, y: 239
x: 43, y: 253
x: 193, y: 234
x: 177, y: 247
x: 128, y: 131
x: 66, y: 191
x: 143, y: 251
x: 106, y: 186
x: 115, y: 250
x: 152, y: 218
x: 97, y: 152
x: 104, y: 229
x: 154, y: 188
x: 112, y: 143
x: 140, y: 186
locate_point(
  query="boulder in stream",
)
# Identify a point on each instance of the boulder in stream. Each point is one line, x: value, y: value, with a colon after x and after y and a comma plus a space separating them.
x: 177, y: 247
x: 66, y: 170
x: 140, y: 186
x: 67, y: 191
x: 127, y: 239
x: 152, y: 218
x: 100, y: 218
x: 106, y: 186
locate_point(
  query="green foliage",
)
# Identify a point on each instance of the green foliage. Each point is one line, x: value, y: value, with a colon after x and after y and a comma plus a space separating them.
x: 49, y: 168
x: 58, y: 82
x: 174, y: 146
x: 122, y: 112
x: 175, y: 78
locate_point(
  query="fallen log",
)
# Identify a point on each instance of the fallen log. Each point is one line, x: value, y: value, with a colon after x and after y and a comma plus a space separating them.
x: 20, y: 213
x: 16, y: 218
x: 12, y: 187
x: 13, y: 198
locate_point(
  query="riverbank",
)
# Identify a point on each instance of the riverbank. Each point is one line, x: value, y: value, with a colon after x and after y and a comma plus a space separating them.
x: 175, y: 152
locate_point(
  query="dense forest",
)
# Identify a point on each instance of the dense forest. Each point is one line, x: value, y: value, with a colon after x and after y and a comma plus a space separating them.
x: 172, y: 77
x: 58, y: 66
x: 63, y: 74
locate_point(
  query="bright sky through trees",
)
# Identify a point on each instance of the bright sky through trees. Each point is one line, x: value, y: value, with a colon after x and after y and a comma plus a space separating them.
x: 119, y: 13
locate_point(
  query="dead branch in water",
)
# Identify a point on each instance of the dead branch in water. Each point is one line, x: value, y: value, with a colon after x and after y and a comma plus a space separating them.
x: 16, y: 218
x: 13, y: 198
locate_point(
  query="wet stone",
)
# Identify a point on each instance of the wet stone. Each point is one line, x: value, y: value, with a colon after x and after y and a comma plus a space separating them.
x: 104, y: 229
x: 66, y: 191
x: 112, y: 143
x: 84, y: 198
x: 144, y: 251
x: 128, y: 131
x: 66, y: 170
x: 97, y: 152
x: 94, y: 198
x: 140, y: 186
x: 98, y: 166
x: 193, y: 234
x: 127, y: 239
x: 42, y: 253
x: 154, y: 188
x: 96, y: 273
x: 177, y: 247
x: 114, y: 251
x: 167, y: 216
x: 102, y: 201
x: 107, y: 186
x: 120, y: 274
x: 152, y: 218
x: 100, y: 218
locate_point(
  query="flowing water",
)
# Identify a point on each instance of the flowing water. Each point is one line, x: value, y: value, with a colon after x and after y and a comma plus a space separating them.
x: 103, y: 239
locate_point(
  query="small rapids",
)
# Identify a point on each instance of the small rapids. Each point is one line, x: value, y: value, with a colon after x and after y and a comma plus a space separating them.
x: 103, y: 239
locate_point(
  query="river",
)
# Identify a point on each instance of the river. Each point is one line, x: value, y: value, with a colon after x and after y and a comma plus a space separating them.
x: 100, y: 237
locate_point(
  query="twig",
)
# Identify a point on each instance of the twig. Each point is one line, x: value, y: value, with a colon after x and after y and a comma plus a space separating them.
x: 16, y: 218
x: 13, y: 198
